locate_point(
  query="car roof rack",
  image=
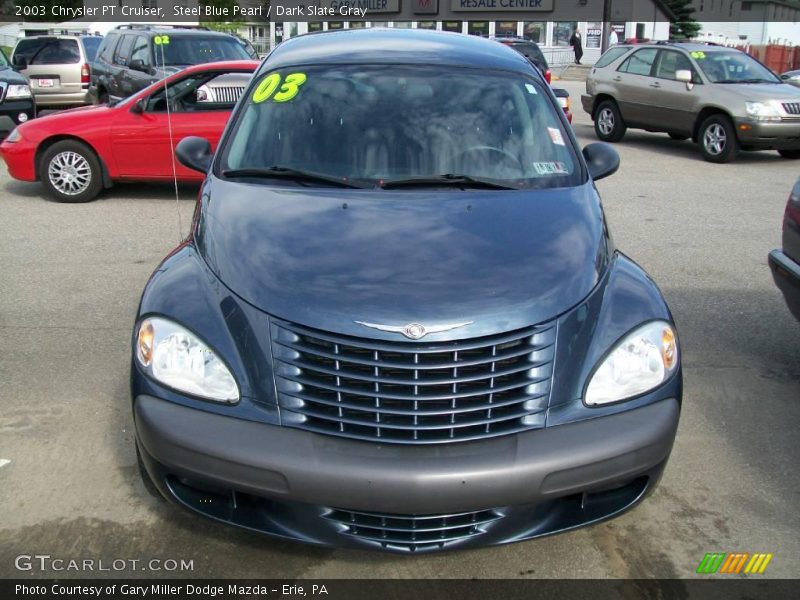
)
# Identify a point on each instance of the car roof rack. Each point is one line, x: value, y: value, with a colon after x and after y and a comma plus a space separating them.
x: 149, y: 27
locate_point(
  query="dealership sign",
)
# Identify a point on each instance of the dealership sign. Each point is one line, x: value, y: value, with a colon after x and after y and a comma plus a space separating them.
x: 371, y: 6
x: 501, y: 5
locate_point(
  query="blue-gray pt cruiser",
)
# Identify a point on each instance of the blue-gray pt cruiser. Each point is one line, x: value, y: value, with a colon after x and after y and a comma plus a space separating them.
x: 399, y: 321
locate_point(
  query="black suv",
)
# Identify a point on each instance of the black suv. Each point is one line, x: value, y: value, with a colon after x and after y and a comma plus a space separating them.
x: 132, y: 57
x: 529, y: 50
x: 16, y: 101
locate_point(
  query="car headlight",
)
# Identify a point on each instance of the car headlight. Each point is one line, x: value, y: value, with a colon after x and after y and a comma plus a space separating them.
x: 641, y: 361
x: 14, y: 136
x: 174, y: 356
x: 15, y: 92
x: 763, y: 111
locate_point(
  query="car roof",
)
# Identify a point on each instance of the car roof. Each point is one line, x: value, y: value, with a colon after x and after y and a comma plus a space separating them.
x: 688, y: 46
x: 222, y: 65
x: 396, y: 46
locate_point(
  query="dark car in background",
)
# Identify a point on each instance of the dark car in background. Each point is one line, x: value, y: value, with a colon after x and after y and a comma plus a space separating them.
x: 399, y: 321
x: 529, y: 50
x: 58, y: 67
x: 785, y: 263
x: 134, y: 56
x: 16, y: 101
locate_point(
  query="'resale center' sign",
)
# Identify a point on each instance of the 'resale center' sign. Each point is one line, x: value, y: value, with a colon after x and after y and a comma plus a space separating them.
x: 501, y: 5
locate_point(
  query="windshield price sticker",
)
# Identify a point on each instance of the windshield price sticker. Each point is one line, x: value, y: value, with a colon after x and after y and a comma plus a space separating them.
x: 271, y: 88
x: 697, y: 54
x: 555, y: 136
x: 161, y: 40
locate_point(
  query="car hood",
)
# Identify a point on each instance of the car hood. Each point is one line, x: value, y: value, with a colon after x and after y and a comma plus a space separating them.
x: 11, y: 76
x: 761, y: 91
x: 328, y: 257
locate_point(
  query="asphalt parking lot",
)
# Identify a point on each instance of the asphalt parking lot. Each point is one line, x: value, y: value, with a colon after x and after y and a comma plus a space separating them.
x: 69, y: 485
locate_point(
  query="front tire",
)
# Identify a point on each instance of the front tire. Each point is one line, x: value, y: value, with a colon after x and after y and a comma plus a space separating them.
x: 608, y: 123
x: 717, y: 139
x: 791, y: 154
x: 70, y: 172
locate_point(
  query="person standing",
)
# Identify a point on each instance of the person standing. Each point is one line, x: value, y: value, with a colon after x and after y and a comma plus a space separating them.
x: 577, y: 45
x: 613, y: 39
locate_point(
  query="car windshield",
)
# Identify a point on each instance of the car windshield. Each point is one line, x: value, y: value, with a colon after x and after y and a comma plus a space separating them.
x: 3, y: 60
x: 732, y: 67
x: 194, y: 51
x: 390, y: 125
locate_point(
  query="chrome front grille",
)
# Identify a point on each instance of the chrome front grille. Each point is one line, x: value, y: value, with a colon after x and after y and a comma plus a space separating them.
x: 227, y: 93
x: 412, y: 532
x: 792, y: 108
x: 412, y: 392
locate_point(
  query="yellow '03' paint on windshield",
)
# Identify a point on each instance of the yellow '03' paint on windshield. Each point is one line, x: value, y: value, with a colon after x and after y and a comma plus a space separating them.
x: 266, y: 90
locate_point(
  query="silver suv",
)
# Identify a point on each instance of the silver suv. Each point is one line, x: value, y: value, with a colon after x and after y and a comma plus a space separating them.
x: 721, y: 98
x: 57, y: 67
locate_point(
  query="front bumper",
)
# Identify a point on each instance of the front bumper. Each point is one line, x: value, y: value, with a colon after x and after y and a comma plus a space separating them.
x: 786, y: 274
x: 10, y: 112
x: 288, y: 482
x: 587, y: 101
x: 761, y: 135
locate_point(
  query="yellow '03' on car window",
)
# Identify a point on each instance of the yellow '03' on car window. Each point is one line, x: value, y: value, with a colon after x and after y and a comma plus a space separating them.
x: 266, y: 90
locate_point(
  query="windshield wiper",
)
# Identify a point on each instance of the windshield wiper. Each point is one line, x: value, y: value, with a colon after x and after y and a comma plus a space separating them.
x: 450, y: 179
x: 278, y: 172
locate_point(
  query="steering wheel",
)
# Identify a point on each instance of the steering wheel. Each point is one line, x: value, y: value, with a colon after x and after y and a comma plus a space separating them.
x: 505, y: 154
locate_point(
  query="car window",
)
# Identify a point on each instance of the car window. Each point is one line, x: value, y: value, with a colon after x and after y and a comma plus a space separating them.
x: 732, y: 67
x: 48, y: 51
x: 640, y: 62
x: 109, y: 45
x: 3, y: 60
x: 124, y: 50
x: 372, y: 123
x: 193, y: 50
x: 610, y: 56
x: 670, y: 61
x: 202, y: 92
x: 91, y: 45
x: 141, y: 51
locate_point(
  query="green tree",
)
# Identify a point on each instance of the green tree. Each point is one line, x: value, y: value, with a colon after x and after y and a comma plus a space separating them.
x: 684, y: 26
x: 47, y: 14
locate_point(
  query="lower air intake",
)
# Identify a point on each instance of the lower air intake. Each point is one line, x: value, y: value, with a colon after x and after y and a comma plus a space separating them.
x: 412, y: 532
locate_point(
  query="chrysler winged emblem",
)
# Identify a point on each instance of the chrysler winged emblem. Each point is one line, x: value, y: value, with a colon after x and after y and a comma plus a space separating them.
x: 414, y: 331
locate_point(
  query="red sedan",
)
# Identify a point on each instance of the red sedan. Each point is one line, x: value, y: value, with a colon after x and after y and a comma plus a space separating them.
x: 77, y: 153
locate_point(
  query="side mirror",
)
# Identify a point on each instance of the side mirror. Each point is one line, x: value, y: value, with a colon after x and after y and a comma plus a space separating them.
x: 137, y: 64
x: 685, y: 75
x: 785, y: 77
x: 139, y: 106
x: 20, y: 63
x: 194, y: 153
x: 601, y: 159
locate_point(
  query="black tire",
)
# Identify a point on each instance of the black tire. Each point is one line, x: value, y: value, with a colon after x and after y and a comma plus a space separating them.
x: 608, y: 123
x: 717, y: 139
x: 678, y: 137
x: 146, y: 481
x: 791, y: 154
x: 70, y: 172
